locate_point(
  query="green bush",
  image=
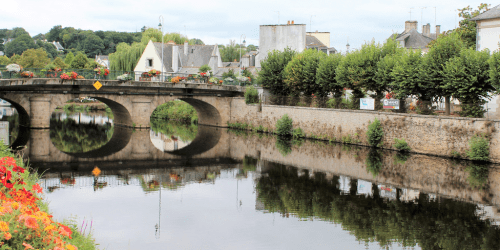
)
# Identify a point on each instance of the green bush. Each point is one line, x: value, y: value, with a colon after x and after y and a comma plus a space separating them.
x: 251, y: 95
x: 479, y: 148
x: 375, y: 133
x: 284, y: 126
x: 401, y: 145
x: 298, y: 133
x: 284, y: 146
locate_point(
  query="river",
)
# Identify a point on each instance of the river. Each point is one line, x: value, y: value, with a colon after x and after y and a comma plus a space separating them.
x: 195, y: 187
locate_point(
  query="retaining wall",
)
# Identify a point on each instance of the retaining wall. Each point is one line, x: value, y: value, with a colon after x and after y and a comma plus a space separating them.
x: 426, y: 134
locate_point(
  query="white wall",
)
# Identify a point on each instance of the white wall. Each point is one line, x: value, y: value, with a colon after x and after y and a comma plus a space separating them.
x: 278, y: 37
x: 488, y: 34
x: 149, y: 53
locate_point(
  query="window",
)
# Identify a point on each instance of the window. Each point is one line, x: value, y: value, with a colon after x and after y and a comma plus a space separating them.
x: 149, y: 62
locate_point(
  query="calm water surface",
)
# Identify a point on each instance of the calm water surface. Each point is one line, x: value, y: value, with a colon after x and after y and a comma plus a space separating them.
x: 195, y: 187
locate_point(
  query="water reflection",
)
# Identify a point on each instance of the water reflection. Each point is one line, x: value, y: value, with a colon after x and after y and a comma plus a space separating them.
x: 170, y: 136
x: 80, y: 132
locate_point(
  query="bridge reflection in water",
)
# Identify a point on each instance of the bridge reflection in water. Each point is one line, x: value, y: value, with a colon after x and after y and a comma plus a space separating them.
x: 376, y: 195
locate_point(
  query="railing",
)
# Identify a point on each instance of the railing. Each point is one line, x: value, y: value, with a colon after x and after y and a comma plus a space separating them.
x: 409, y: 105
x: 44, y: 73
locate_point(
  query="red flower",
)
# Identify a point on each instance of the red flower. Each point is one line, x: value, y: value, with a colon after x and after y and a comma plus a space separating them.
x: 18, y: 169
x: 37, y: 188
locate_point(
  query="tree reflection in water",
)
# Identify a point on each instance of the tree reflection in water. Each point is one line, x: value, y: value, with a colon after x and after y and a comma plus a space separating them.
x: 71, y: 137
x: 431, y: 223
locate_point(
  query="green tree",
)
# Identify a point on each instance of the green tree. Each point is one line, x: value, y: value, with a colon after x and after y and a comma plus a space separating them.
x: 4, y: 60
x: 176, y: 37
x: 34, y: 58
x: 466, y: 78
x: 300, y: 73
x: 60, y: 63
x: 93, y: 45
x: 19, y: 45
x: 467, y: 29
x: 79, y: 61
x: 251, y: 47
x: 406, y: 74
x: 230, y: 52
x: 40, y: 37
x: 69, y: 58
x: 151, y: 34
x: 271, y: 74
x: 126, y: 56
x: 2, y: 38
x: 15, y: 59
x: 326, y: 75
x: 49, y: 47
x: 196, y: 41
x: 443, y: 49
x: 204, y: 68
x: 54, y: 34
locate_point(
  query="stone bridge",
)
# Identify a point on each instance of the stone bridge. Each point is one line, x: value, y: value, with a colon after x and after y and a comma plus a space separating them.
x: 132, y: 103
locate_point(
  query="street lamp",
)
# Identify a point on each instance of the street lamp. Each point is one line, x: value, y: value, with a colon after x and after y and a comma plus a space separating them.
x: 244, y: 37
x: 160, y: 27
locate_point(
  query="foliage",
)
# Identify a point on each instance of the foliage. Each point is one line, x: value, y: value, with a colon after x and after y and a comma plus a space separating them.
x: 177, y: 38
x: 494, y: 69
x: 300, y: 73
x: 196, y: 41
x: 251, y: 95
x: 466, y: 78
x: 406, y: 76
x: 175, y: 110
x: 284, y: 146
x: 374, y: 162
x: 401, y: 145
x: 298, y: 133
x: 478, y: 175
x: 479, y: 148
x: 467, y: 28
x: 231, y: 52
x: 49, y: 47
x: 34, y: 58
x: 204, y: 68
x: 69, y: 58
x: 271, y: 75
x: 79, y: 61
x: 229, y: 73
x: 284, y: 126
x: 4, y: 60
x: 58, y: 62
x: 126, y: 56
x: 93, y: 45
x: 375, y: 133
x: 151, y: 34
x: 19, y: 45
x: 251, y: 47
x: 326, y: 75
x: 443, y: 49
x: 185, y: 132
x: 72, y: 137
x: 124, y: 77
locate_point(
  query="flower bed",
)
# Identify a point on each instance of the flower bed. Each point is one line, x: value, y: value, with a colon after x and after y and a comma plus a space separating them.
x: 23, y: 225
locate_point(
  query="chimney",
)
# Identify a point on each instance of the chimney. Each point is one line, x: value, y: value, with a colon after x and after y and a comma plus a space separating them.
x: 426, y: 31
x: 410, y: 25
x: 292, y: 21
x: 175, y: 58
x: 438, y: 30
x: 185, y: 48
x: 288, y: 23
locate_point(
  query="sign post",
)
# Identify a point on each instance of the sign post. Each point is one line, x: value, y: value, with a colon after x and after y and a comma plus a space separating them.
x: 367, y: 103
x: 391, y: 104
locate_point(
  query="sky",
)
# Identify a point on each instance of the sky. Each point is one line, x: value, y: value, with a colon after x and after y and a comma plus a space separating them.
x: 219, y: 21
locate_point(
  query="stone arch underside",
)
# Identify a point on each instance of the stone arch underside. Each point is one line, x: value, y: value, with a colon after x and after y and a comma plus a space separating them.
x: 207, y: 114
x: 24, y: 124
x: 121, y: 115
x: 206, y: 138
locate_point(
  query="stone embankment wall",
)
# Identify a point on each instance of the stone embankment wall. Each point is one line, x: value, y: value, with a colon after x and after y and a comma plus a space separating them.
x: 426, y: 134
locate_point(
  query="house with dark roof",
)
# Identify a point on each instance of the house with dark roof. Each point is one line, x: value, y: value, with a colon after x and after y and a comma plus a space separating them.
x: 410, y: 38
x: 488, y: 29
x: 102, y: 60
x: 313, y: 42
x: 178, y: 58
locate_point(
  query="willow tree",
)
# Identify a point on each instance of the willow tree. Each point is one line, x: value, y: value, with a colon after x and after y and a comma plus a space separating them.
x: 126, y: 56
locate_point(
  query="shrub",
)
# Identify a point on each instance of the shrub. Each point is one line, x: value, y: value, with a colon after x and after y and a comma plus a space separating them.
x: 251, y: 95
x: 298, y: 133
x: 204, y: 68
x: 401, y: 145
x: 284, y: 146
x: 284, y: 126
x: 479, y: 148
x: 375, y: 133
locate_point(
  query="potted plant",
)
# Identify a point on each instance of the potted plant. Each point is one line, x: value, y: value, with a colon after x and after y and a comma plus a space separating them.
x: 123, y: 78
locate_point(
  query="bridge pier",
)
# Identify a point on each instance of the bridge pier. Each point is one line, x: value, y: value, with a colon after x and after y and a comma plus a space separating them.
x: 40, y: 112
x: 141, y: 112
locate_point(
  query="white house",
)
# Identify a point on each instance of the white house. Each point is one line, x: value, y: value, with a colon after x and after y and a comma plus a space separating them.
x: 177, y: 58
x: 102, y: 60
x: 488, y: 29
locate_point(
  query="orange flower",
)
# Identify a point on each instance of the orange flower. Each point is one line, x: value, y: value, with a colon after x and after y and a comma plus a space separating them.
x: 31, y: 223
x: 7, y: 236
x: 71, y: 247
x: 27, y: 246
x: 4, y: 226
x: 37, y: 188
x: 49, y: 228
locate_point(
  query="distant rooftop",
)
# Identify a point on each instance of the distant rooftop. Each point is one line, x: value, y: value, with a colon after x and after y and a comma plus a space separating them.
x: 490, y: 14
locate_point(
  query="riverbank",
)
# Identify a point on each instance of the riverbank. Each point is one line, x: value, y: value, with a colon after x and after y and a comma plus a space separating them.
x: 25, y: 222
x: 424, y: 134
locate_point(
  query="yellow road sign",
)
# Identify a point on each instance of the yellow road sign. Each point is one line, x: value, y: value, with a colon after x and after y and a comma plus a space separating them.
x: 97, y: 85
